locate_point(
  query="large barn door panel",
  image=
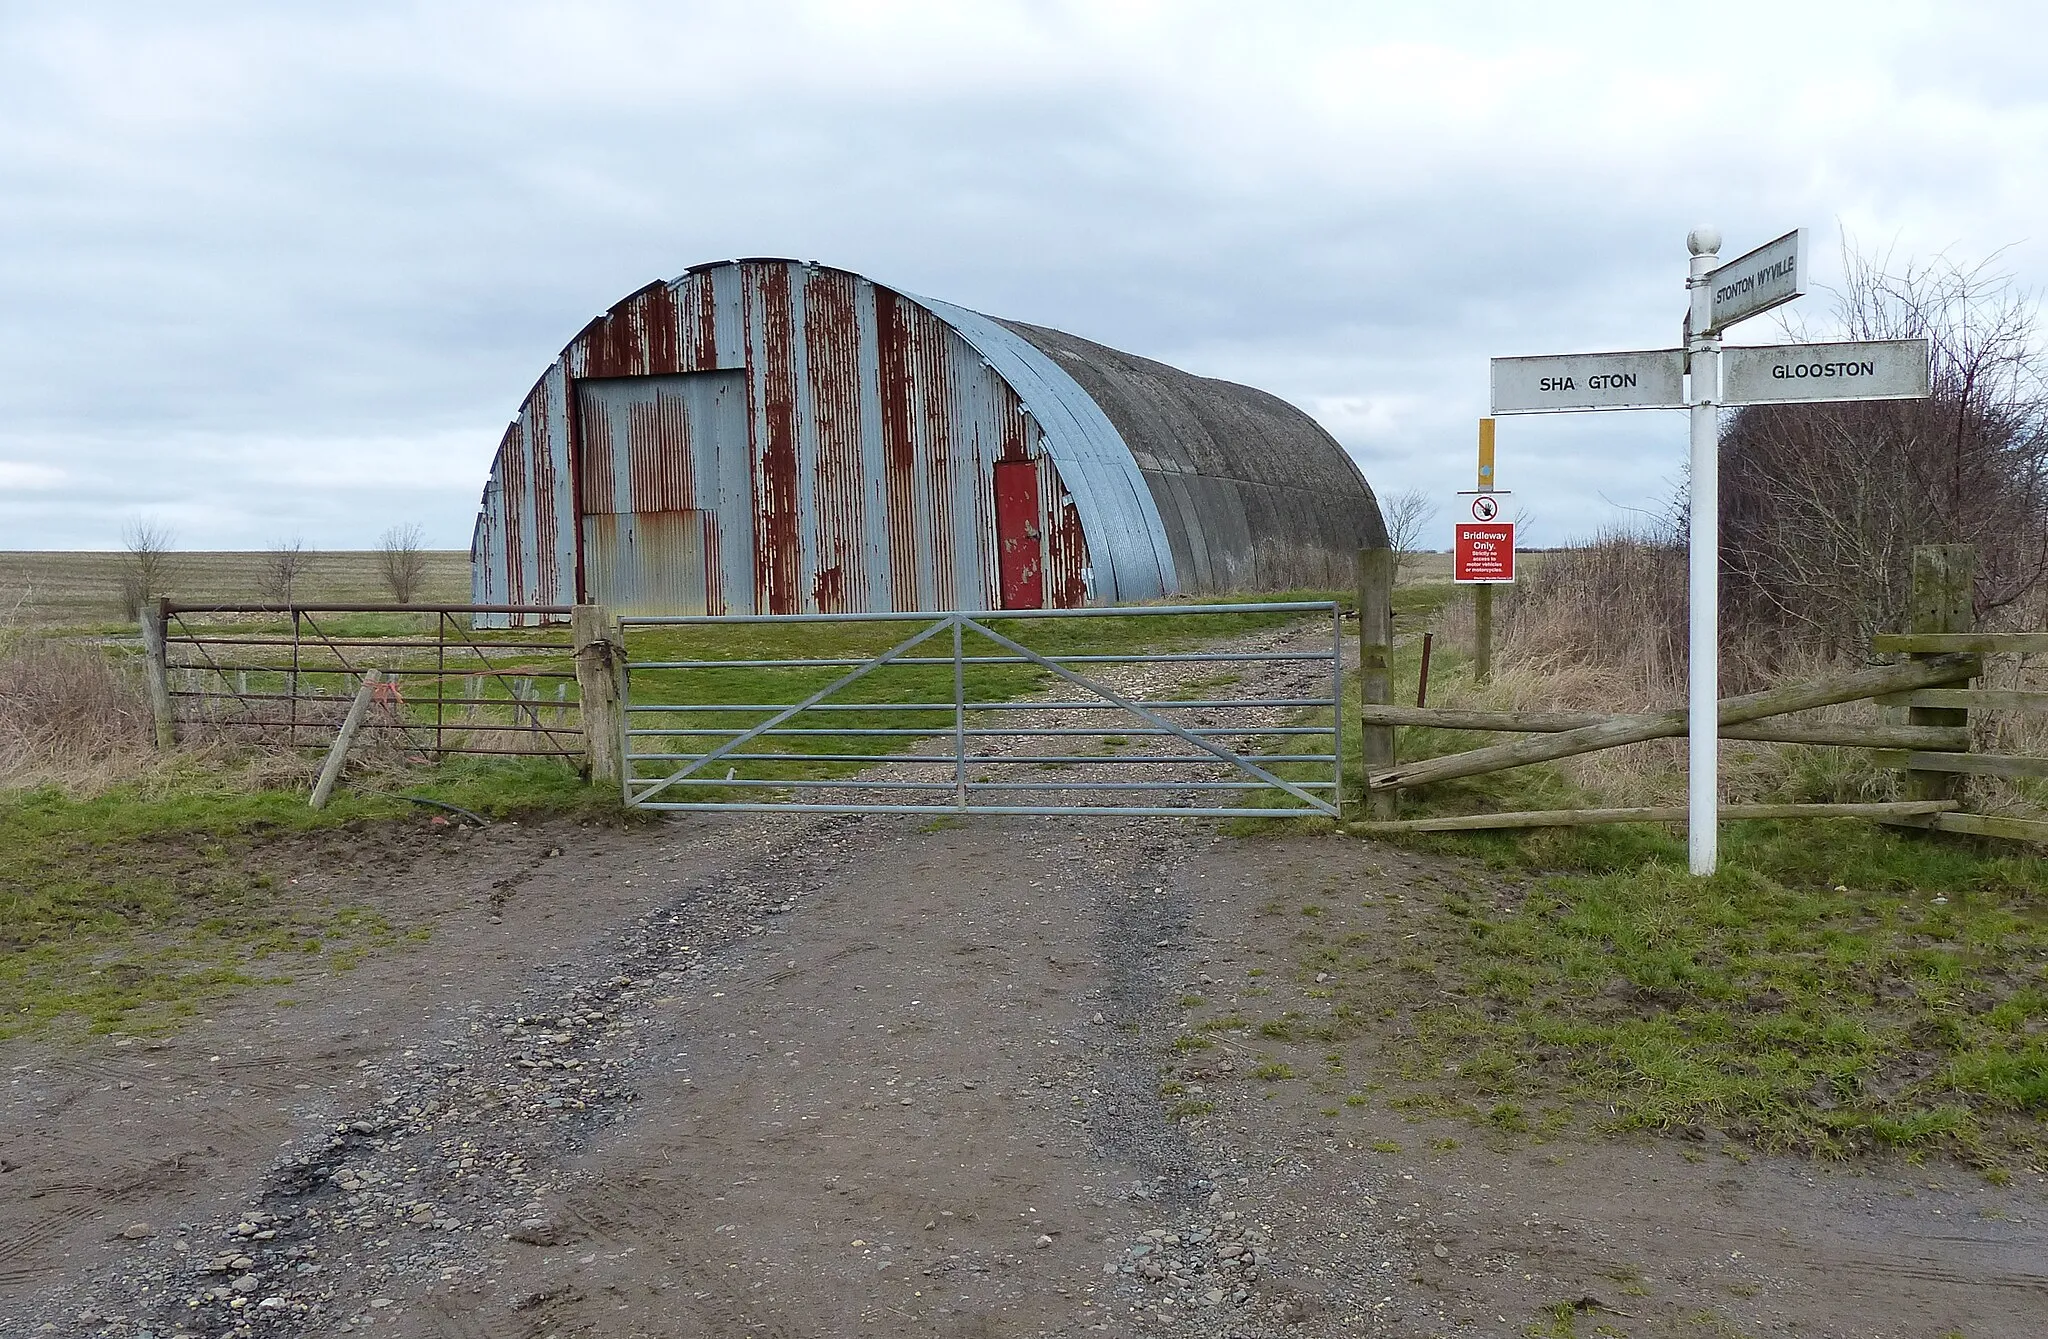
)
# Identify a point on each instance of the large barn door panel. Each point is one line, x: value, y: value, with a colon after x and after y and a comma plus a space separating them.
x: 1019, y: 540
x: 651, y: 562
x: 650, y: 482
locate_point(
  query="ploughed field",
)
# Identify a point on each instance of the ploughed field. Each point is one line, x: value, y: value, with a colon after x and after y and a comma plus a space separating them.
x: 83, y: 589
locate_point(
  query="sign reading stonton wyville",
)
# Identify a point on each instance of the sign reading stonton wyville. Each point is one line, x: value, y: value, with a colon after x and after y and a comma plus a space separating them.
x: 1750, y: 285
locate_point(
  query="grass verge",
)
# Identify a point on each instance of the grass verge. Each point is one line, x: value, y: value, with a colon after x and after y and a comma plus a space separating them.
x: 129, y: 910
x: 1838, y: 988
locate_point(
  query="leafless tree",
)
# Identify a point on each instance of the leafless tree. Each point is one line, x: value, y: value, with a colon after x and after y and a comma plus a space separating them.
x: 146, y: 575
x: 284, y: 570
x: 402, y: 561
x: 1408, y: 514
x: 1822, y: 505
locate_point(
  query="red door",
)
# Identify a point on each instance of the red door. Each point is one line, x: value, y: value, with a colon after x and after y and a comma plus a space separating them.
x: 1020, y: 546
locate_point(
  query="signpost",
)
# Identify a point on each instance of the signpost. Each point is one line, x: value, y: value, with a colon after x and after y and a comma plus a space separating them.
x: 1722, y: 295
x: 1483, y: 553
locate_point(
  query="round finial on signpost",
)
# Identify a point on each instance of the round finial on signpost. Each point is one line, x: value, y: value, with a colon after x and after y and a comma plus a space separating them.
x: 1704, y: 241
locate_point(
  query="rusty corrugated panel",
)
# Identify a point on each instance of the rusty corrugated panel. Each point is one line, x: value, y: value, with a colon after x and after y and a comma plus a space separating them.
x: 487, y: 557
x: 696, y: 324
x: 901, y: 520
x: 1066, y: 546
x: 935, y: 438
x: 554, y: 519
x: 599, y: 466
x: 838, y: 490
x: 636, y: 338
x: 515, y: 509
x: 661, y: 464
x: 771, y: 380
x: 647, y: 562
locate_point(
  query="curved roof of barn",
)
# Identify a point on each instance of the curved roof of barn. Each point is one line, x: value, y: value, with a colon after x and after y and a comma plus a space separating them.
x: 1234, y: 467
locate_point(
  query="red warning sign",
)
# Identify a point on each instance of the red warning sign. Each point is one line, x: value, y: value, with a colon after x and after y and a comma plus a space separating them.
x: 1484, y: 553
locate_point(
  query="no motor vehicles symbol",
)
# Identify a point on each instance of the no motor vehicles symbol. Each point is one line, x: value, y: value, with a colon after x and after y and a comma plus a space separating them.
x: 1484, y: 508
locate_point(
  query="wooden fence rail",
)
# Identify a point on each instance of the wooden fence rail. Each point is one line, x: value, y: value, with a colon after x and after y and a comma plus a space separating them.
x: 1932, y: 746
x: 1843, y: 735
x: 1824, y: 692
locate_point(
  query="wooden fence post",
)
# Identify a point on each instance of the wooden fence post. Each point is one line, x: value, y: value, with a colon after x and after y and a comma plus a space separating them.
x: 598, y: 657
x: 1375, y: 669
x: 1482, y: 633
x: 1944, y: 576
x: 330, y: 771
x: 156, y: 674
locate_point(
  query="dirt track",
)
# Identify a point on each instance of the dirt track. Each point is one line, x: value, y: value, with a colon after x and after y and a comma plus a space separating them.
x: 888, y: 1108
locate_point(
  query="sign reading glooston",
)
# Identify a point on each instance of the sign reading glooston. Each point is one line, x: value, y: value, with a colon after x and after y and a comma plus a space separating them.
x: 1654, y: 379
x: 1750, y: 285
x: 1884, y: 369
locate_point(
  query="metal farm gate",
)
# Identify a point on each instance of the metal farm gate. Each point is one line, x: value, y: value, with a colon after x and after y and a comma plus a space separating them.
x: 961, y: 716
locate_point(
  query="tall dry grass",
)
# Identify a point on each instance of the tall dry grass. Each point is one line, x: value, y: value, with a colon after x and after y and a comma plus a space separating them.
x: 70, y: 716
x: 1603, y: 627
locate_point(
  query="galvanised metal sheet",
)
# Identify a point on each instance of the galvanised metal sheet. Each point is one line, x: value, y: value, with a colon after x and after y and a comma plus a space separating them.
x: 528, y: 519
x: 856, y: 472
x: 1231, y: 453
x: 646, y: 562
x: 1127, y: 538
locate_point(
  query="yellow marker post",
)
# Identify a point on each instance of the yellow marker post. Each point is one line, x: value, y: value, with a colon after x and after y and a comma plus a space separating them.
x: 1482, y: 595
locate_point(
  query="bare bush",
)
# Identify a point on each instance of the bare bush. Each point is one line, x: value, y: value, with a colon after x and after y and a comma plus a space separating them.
x: 1822, y: 505
x: 402, y: 561
x: 146, y: 575
x: 284, y: 570
x: 1409, y: 514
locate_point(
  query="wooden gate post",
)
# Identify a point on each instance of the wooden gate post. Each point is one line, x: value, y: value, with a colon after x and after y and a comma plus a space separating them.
x: 1482, y: 633
x: 330, y: 771
x: 1944, y: 576
x: 598, y: 660
x: 156, y: 674
x: 1375, y: 670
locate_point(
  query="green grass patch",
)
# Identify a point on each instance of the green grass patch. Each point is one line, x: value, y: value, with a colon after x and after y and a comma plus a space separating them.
x: 130, y: 909
x: 1833, y: 990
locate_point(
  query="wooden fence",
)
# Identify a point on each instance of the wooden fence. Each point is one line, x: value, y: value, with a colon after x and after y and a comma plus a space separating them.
x: 1941, y: 657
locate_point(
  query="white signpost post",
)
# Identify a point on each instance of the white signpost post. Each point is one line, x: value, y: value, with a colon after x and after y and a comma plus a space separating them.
x: 1782, y: 374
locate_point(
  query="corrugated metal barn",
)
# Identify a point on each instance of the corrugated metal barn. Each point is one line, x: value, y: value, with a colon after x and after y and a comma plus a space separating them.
x: 771, y: 436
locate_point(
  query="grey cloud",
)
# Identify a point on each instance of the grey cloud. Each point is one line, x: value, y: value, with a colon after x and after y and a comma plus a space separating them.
x: 290, y: 232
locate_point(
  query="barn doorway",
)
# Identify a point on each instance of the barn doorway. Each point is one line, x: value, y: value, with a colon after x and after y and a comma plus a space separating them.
x: 1020, y: 546
x: 653, y: 455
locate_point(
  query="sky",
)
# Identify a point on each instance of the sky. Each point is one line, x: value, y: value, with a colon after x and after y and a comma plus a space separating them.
x: 284, y: 271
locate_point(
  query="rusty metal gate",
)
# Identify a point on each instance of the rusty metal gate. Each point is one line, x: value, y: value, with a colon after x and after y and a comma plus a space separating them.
x: 284, y: 674
x: 962, y: 715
